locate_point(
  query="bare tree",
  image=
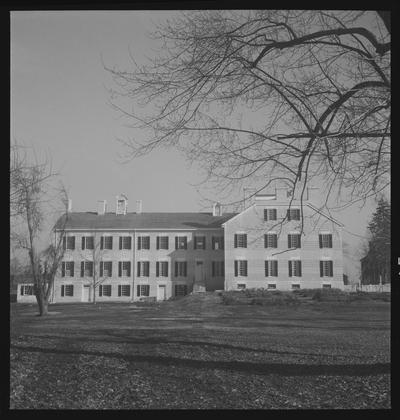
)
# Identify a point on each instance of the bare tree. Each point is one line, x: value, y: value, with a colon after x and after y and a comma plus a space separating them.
x: 263, y: 97
x: 31, y: 204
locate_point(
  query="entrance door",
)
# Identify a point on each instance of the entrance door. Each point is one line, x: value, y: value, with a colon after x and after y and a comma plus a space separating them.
x: 199, y: 280
x: 161, y: 292
x: 86, y: 293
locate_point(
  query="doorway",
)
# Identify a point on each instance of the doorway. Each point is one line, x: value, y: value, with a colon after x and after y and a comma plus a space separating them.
x: 199, y: 278
x: 161, y: 292
x: 86, y: 293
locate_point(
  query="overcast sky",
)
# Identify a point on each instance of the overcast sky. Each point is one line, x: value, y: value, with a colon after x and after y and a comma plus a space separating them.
x: 59, y: 105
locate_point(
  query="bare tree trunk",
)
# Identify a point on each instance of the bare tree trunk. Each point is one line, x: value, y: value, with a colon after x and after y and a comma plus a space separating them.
x: 42, y: 302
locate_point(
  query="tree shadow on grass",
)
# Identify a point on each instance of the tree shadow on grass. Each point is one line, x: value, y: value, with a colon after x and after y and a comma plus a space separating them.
x: 283, y: 369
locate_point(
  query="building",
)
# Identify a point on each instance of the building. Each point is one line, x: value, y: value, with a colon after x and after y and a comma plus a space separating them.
x: 137, y: 255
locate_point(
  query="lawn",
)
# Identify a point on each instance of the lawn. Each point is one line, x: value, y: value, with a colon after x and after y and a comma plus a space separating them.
x: 197, y: 352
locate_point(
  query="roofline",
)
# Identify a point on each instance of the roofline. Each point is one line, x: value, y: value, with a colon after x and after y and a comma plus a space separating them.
x: 277, y: 205
x: 136, y: 229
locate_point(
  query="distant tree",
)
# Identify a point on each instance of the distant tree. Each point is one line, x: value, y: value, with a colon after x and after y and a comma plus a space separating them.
x: 29, y: 208
x: 265, y: 96
x: 377, y: 259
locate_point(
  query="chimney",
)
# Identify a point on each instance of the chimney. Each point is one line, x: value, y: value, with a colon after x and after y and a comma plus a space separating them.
x: 281, y: 194
x: 69, y: 208
x: 313, y: 194
x: 217, y: 209
x: 138, y: 206
x: 101, y: 207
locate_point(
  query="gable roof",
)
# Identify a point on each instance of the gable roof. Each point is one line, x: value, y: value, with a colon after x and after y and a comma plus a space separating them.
x: 91, y: 220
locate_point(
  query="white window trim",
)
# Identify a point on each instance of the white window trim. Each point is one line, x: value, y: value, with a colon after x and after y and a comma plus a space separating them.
x: 272, y: 232
x: 240, y: 232
x: 326, y: 258
x: 325, y: 232
x: 295, y: 258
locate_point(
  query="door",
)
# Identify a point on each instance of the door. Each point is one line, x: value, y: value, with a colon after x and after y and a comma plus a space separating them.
x: 86, y: 293
x: 199, y: 280
x: 161, y: 292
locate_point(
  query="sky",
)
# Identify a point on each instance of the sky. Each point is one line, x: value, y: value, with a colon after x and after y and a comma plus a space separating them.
x: 59, y: 106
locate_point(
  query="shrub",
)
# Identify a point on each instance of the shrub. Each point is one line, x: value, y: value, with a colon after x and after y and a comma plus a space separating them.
x: 330, y: 295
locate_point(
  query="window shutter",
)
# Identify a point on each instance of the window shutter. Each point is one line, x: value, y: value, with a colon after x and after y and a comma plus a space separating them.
x: 82, y: 268
x: 289, y: 241
x: 266, y: 269
x: 290, y: 268
x: 236, y: 268
x: 119, y: 268
x: 299, y: 241
x: 138, y: 269
x: 330, y: 241
x: 245, y: 267
x: 62, y: 290
x: 321, y: 269
x: 176, y: 268
x: 275, y: 241
x: 213, y: 242
x: 167, y: 242
x: 176, y: 242
x: 83, y: 242
x: 100, y: 290
x: 157, y: 269
x: 63, y: 269
x: 288, y: 214
x: 102, y: 242
x: 299, y: 268
x: 64, y: 242
x: 101, y: 268
x: 274, y: 214
x: 147, y: 268
x: 129, y: 268
x: 245, y: 241
x: 119, y: 290
x: 265, y: 214
x: 139, y: 242
x: 213, y: 268
x: 73, y: 269
x: 158, y: 242
x: 120, y: 242
x: 185, y: 268
x: 331, y: 268
x: 22, y: 290
x: 235, y: 240
x: 185, y: 242
x: 320, y: 241
x: 137, y: 290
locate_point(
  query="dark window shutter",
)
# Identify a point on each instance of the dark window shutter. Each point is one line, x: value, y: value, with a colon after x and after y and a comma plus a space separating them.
x: 73, y: 269
x: 119, y: 290
x: 158, y: 242
x: 119, y: 269
x: 236, y: 268
x: 176, y: 242
x: 195, y: 243
x: 331, y: 268
x: 102, y: 242
x: 157, y: 269
x: 299, y: 236
x: 138, y: 269
x: 330, y: 241
x: 289, y: 241
x: 139, y: 242
x: 245, y: 268
x: 266, y: 269
x: 275, y: 241
x: 245, y: 241
x: 62, y: 290
x: 235, y: 240
x: 166, y: 270
x: 320, y: 242
x: 176, y: 268
x: 22, y: 290
x: 321, y: 269
x: 120, y: 245
x: 111, y: 242
x: 213, y: 242
x: 129, y: 269
x: 185, y: 268
x: 167, y: 242
x: 63, y: 269
x: 274, y: 214
x: 266, y: 214
x: 185, y: 242
x: 100, y: 290
x: 290, y: 268
x: 138, y: 290
x: 265, y: 241
x: 64, y: 242
x: 111, y: 264
x: 82, y: 268
x: 288, y: 214
x: 300, y: 268
x: 101, y: 268
x: 83, y: 242
x: 213, y: 268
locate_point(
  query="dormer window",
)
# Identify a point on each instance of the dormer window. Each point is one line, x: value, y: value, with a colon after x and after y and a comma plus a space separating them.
x: 122, y: 204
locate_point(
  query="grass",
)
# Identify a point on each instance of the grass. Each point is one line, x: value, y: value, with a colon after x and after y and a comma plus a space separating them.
x: 196, y: 352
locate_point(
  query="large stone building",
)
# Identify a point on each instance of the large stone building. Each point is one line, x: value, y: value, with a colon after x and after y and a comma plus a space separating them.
x: 275, y: 243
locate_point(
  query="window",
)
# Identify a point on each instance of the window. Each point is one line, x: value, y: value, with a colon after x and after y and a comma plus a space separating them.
x: 294, y: 240
x: 199, y: 242
x: 180, y: 242
x: 67, y: 269
x: 241, y: 268
x: 294, y: 268
x: 106, y: 242
x: 69, y: 242
x: 181, y: 290
x: 269, y: 214
x: 162, y: 269
x: 271, y: 268
x: 67, y: 290
x: 217, y: 242
x: 105, y: 290
x: 271, y: 240
x: 326, y: 268
x: 217, y: 269
x: 162, y: 242
x: 241, y: 286
x: 26, y: 290
x: 325, y: 240
x: 87, y: 242
x: 143, y: 242
x: 240, y: 240
x: 271, y: 286
x: 295, y: 286
x: 143, y: 290
x: 180, y: 268
x: 326, y: 286
x: 124, y: 268
x: 143, y: 269
x: 105, y: 268
x: 125, y: 242
x: 293, y: 214
x: 87, y: 269
x: 124, y: 290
